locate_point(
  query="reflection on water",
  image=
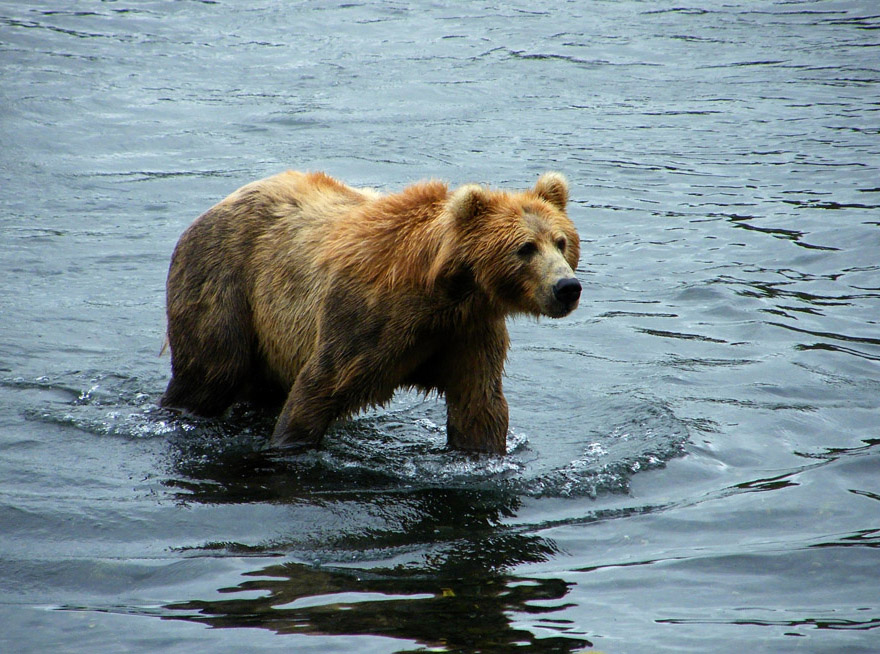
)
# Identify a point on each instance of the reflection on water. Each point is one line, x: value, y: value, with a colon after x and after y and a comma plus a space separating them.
x: 456, y: 592
x: 473, y: 612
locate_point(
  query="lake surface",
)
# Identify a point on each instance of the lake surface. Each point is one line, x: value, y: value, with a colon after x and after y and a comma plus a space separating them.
x: 694, y: 453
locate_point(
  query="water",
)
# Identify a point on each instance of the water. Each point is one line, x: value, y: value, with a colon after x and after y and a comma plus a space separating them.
x: 694, y: 452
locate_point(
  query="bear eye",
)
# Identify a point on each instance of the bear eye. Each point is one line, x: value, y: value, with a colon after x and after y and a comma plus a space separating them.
x: 560, y: 243
x: 527, y: 249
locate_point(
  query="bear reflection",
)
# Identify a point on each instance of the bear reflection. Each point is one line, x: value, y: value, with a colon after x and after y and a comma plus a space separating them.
x: 454, y: 591
x: 450, y: 584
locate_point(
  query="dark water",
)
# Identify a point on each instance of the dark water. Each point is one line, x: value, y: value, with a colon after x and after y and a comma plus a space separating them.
x: 694, y: 453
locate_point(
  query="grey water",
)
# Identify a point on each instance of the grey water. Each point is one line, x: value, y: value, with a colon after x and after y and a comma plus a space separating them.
x: 694, y: 459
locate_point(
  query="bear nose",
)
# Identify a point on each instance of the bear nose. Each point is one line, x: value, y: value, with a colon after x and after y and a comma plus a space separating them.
x: 567, y: 290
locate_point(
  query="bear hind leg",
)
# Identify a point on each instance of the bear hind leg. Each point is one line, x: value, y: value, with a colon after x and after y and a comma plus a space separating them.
x: 212, y: 359
x: 192, y: 393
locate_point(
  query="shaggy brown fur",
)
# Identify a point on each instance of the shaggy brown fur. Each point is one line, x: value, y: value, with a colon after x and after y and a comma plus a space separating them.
x: 302, y: 290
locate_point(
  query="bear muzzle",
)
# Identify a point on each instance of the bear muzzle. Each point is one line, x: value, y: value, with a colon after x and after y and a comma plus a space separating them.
x: 567, y: 292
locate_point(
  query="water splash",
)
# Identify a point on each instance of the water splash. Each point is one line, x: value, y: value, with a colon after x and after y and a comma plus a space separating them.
x: 400, y: 447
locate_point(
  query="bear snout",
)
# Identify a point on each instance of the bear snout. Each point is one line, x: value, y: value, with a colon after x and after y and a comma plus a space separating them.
x: 567, y: 290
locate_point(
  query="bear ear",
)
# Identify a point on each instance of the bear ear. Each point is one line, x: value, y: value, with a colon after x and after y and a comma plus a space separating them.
x: 553, y: 187
x: 467, y: 202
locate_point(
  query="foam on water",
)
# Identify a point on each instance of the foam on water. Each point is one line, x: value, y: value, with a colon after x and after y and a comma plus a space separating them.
x: 402, y: 446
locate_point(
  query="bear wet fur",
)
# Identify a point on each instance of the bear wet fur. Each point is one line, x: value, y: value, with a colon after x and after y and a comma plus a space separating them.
x: 298, y: 290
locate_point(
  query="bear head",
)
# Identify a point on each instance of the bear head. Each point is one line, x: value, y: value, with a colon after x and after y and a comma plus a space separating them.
x: 520, y: 247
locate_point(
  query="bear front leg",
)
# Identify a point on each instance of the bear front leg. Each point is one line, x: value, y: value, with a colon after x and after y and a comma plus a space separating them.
x: 329, y: 386
x: 348, y: 371
x: 298, y: 428
x: 476, y: 410
x: 477, y: 423
x: 308, y: 410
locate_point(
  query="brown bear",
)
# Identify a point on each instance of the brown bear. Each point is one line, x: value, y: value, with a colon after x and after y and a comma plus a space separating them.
x: 303, y: 290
